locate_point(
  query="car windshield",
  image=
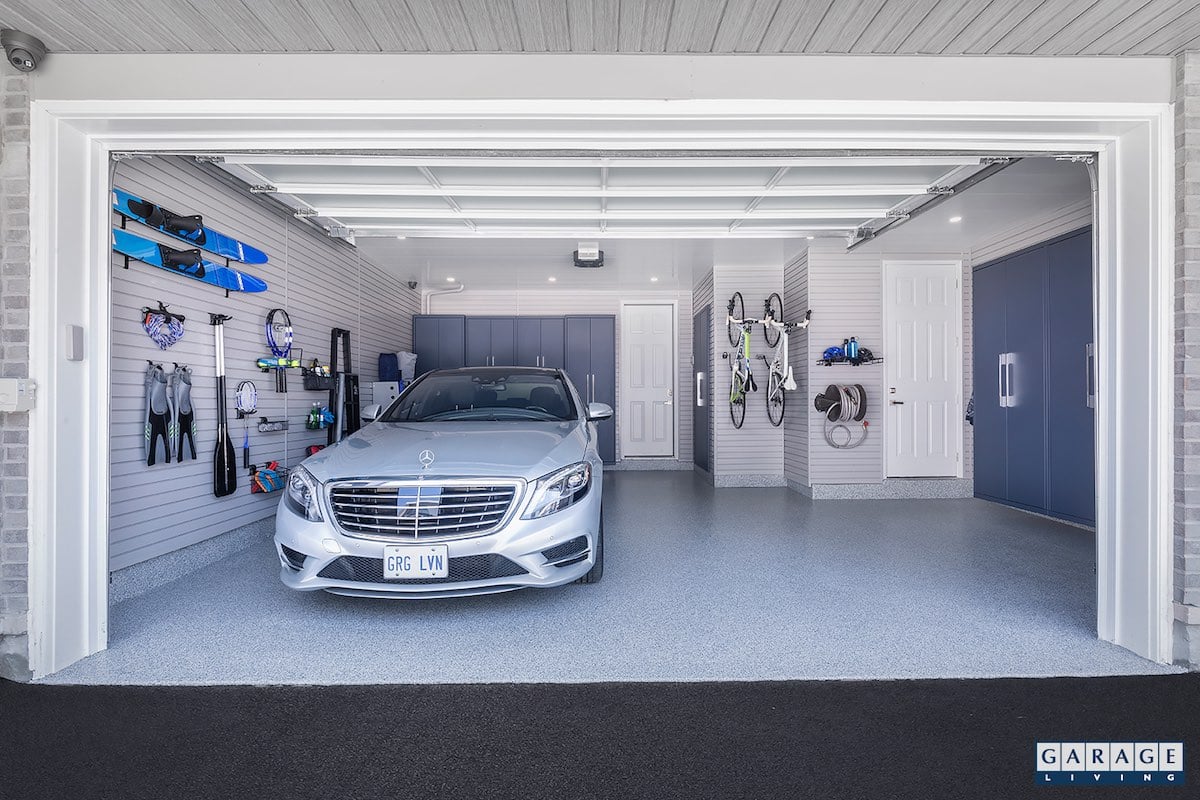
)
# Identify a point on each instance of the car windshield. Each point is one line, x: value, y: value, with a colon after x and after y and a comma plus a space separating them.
x: 485, y: 394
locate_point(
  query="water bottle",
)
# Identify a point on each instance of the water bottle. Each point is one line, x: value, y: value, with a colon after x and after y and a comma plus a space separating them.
x: 852, y: 349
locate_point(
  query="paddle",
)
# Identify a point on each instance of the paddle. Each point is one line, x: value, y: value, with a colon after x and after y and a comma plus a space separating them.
x: 224, y: 460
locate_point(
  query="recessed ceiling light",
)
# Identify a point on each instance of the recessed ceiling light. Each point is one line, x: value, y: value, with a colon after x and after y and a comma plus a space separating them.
x: 653, y: 279
x: 956, y: 219
x: 401, y: 236
x: 449, y: 279
x: 810, y: 238
x: 552, y: 279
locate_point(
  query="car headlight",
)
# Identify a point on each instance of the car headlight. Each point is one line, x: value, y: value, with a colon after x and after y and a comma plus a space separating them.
x: 559, y: 489
x: 303, y: 494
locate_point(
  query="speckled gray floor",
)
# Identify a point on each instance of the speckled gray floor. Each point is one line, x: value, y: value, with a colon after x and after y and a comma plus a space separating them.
x: 700, y: 584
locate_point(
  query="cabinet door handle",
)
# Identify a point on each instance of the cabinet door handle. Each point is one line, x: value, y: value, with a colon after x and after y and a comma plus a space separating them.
x: 1011, y: 382
x: 699, y: 389
x: 1089, y: 361
x: 1000, y: 380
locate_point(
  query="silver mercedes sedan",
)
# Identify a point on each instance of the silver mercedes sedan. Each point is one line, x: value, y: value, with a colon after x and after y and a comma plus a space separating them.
x: 473, y: 481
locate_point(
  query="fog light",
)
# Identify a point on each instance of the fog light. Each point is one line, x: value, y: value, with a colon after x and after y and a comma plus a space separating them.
x: 331, y: 546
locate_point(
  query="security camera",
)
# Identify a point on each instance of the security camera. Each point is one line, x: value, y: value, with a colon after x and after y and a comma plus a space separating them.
x: 24, y: 52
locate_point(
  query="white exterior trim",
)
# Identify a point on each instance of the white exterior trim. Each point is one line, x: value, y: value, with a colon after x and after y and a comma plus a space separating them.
x: 72, y: 138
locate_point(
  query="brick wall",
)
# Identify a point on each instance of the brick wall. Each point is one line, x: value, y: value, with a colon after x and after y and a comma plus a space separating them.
x: 1187, y: 358
x: 14, y: 362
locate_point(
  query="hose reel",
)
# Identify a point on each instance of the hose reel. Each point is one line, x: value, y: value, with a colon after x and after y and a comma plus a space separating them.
x: 841, y: 405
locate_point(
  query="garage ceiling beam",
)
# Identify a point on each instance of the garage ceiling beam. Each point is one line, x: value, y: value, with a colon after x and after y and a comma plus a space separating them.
x: 574, y: 162
x: 574, y: 232
x: 559, y: 213
x: 412, y: 190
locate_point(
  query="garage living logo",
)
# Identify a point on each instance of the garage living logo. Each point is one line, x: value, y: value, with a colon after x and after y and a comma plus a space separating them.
x: 1110, y: 763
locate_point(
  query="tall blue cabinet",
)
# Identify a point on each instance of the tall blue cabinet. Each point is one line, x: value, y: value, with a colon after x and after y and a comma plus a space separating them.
x: 1033, y: 378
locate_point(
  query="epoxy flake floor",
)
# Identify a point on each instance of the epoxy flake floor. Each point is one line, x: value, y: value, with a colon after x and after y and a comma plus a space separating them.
x: 700, y: 584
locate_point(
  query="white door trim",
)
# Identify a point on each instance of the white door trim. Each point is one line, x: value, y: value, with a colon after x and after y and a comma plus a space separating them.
x: 624, y: 376
x: 889, y: 350
x: 71, y: 140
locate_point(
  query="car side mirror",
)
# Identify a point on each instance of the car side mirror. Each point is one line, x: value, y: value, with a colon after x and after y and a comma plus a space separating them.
x: 598, y: 411
x: 372, y: 412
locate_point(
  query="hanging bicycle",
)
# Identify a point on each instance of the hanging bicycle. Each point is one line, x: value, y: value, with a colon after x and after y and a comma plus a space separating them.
x: 741, y: 375
x: 779, y: 371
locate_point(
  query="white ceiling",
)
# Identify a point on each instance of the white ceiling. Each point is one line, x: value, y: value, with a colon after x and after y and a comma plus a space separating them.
x: 1028, y: 189
x: 1000, y: 27
x: 643, y: 196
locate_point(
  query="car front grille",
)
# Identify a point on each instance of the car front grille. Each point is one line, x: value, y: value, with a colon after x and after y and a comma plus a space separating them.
x: 425, y: 510
x: 464, y: 568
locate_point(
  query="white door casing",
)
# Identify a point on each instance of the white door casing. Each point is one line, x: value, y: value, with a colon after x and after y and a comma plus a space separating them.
x: 648, y: 380
x: 1119, y: 109
x: 922, y: 317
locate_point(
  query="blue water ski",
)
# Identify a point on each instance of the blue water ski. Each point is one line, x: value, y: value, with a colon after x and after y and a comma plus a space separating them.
x: 187, y: 229
x: 188, y: 263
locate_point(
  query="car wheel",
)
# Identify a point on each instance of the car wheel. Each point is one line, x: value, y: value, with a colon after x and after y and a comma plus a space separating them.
x: 597, y: 571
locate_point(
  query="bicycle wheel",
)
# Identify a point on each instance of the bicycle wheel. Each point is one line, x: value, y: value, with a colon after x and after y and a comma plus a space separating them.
x: 737, y: 310
x: 775, y: 398
x: 737, y: 402
x: 773, y: 310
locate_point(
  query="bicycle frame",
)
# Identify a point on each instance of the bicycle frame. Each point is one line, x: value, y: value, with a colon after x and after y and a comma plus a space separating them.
x: 740, y: 364
x: 778, y: 364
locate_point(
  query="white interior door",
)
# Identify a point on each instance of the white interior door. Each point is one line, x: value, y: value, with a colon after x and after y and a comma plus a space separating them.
x: 923, y: 339
x: 648, y: 380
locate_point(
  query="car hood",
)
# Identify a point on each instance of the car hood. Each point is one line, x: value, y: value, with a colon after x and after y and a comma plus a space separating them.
x: 516, y: 449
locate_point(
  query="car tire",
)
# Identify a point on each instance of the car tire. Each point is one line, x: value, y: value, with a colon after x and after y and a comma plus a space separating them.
x: 597, y: 571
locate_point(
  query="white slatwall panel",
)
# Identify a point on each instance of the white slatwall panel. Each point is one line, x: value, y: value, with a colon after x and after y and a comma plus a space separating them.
x: 755, y: 449
x: 551, y: 302
x: 846, y: 295
x: 796, y: 423
x: 1030, y: 232
x: 322, y: 283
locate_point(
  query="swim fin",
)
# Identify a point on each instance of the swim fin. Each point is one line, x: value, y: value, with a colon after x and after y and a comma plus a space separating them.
x: 158, y: 413
x: 183, y: 422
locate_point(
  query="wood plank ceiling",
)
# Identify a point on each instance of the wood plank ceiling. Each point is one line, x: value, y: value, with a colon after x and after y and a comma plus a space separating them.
x: 949, y: 27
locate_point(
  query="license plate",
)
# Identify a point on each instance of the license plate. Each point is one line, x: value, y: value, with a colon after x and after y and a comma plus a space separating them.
x: 406, y: 561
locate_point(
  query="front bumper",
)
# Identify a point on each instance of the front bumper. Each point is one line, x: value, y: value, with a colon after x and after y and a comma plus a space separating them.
x: 511, y: 558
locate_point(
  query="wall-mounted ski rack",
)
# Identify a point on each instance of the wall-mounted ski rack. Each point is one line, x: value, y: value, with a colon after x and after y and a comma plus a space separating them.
x: 124, y: 227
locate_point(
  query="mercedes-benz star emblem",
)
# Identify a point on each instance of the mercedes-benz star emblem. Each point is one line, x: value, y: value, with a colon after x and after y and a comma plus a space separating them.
x: 426, y: 458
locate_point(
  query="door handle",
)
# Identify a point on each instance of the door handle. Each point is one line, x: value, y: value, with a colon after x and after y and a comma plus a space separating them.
x: 699, y: 389
x: 1089, y: 368
x: 1000, y: 381
x: 897, y: 402
x: 1011, y: 382
x: 670, y: 397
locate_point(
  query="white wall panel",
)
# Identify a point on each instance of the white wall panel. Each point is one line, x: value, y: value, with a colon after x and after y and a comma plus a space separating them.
x: 553, y: 303
x: 754, y: 452
x: 846, y: 296
x: 796, y: 441
x: 321, y: 282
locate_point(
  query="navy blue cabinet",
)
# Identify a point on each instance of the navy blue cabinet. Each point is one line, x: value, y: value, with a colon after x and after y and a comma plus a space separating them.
x: 1034, y: 425
x: 540, y: 342
x: 585, y: 346
x: 1072, y: 442
x: 439, y: 340
x: 491, y: 341
x: 591, y: 363
x: 991, y: 414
